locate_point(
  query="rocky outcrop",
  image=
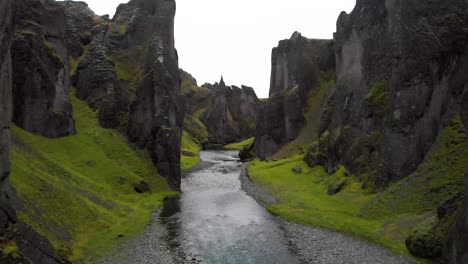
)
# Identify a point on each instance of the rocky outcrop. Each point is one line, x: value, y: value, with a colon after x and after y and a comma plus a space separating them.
x: 7, y: 214
x: 456, y: 250
x: 232, y: 113
x: 156, y: 116
x: 399, y: 80
x: 80, y: 19
x: 41, y: 82
x: 228, y: 112
x: 298, y: 64
x: 130, y: 75
x: 97, y: 83
x: 30, y: 245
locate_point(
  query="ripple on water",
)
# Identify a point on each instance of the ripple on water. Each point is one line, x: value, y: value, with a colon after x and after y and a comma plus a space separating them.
x: 220, y: 223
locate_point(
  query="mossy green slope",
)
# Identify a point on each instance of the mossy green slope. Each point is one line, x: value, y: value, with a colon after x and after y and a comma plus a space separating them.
x: 79, y: 192
x: 386, y: 218
x: 193, y: 137
x: 240, y: 145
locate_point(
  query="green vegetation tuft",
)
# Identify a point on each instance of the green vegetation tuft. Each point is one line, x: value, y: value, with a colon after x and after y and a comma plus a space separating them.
x: 52, y: 50
x: 128, y: 68
x: 74, y: 62
x: 78, y: 191
x: 123, y: 28
x: 378, y: 99
x: 240, y: 145
x: 193, y: 137
x: 10, y: 248
x: 26, y: 32
x: 190, y: 152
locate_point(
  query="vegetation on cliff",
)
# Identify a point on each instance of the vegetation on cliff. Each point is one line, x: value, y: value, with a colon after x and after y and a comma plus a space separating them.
x: 83, y: 192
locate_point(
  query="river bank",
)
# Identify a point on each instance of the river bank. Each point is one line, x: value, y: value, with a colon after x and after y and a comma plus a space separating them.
x: 320, y: 246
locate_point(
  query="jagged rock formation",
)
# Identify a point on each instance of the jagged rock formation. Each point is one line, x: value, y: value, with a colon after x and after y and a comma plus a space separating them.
x: 97, y: 83
x: 298, y: 64
x: 7, y: 214
x: 457, y: 247
x: 80, y: 20
x: 155, y: 116
x: 41, y: 82
x: 130, y: 74
x: 32, y: 247
x: 228, y: 112
x: 399, y: 80
x: 232, y: 113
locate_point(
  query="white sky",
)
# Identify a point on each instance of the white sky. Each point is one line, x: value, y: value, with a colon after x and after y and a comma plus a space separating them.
x: 234, y: 38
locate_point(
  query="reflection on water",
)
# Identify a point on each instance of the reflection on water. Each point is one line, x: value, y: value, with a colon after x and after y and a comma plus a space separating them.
x: 216, y: 222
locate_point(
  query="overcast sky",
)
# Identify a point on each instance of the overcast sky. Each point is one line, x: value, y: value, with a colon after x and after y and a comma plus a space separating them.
x: 234, y: 38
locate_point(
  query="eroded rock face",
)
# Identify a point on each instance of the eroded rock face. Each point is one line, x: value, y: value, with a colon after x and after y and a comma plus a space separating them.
x: 80, y: 19
x: 32, y: 247
x: 97, y: 83
x: 297, y: 67
x: 7, y: 13
x: 156, y: 116
x: 398, y: 83
x: 232, y: 113
x: 41, y: 82
x: 457, y: 250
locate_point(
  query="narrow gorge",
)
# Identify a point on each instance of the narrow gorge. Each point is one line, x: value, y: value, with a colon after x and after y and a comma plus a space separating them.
x: 111, y: 153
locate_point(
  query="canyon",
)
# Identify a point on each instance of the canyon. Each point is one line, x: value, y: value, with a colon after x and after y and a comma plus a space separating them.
x: 364, y: 134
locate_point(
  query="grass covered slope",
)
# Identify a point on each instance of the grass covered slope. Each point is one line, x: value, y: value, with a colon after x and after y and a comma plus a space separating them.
x: 240, y: 145
x: 194, y: 136
x: 79, y: 191
x: 387, y: 217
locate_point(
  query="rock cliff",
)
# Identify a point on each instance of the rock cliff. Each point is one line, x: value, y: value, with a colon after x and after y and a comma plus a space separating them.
x: 398, y: 82
x: 130, y: 75
x: 30, y: 246
x: 7, y: 214
x: 298, y: 65
x: 228, y: 112
x: 232, y: 113
x: 41, y: 71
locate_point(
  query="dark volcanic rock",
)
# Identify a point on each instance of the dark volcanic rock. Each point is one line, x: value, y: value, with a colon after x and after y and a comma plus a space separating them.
x: 97, y: 83
x: 41, y: 82
x: 80, y: 19
x: 399, y: 76
x: 32, y: 247
x: 228, y: 112
x: 232, y: 113
x: 456, y: 251
x: 156, y: 117
x: 7, y: 14
x: 297, y: 66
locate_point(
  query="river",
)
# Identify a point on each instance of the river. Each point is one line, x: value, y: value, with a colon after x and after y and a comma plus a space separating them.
x: 217, y: 222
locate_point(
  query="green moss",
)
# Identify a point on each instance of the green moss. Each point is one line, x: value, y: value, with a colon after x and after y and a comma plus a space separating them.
x: 79, y: 192
x: 26, y: 32
x: 74, y: 62
x: 127, y: 69
x: 52, y: 50
x: 10, y: 248
x: 190, y: 152
x: 240, y: 145
x: 123, y: 28
x: 438, y: 178
x: 303, y: 198
x: 378, y: 99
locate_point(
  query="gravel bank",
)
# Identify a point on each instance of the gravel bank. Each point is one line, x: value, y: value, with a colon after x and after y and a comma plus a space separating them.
x: 149, y: 248
x: 319, y: 246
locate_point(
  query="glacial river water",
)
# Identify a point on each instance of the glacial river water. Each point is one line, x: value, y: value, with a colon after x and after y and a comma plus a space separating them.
x: 216, y: 222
